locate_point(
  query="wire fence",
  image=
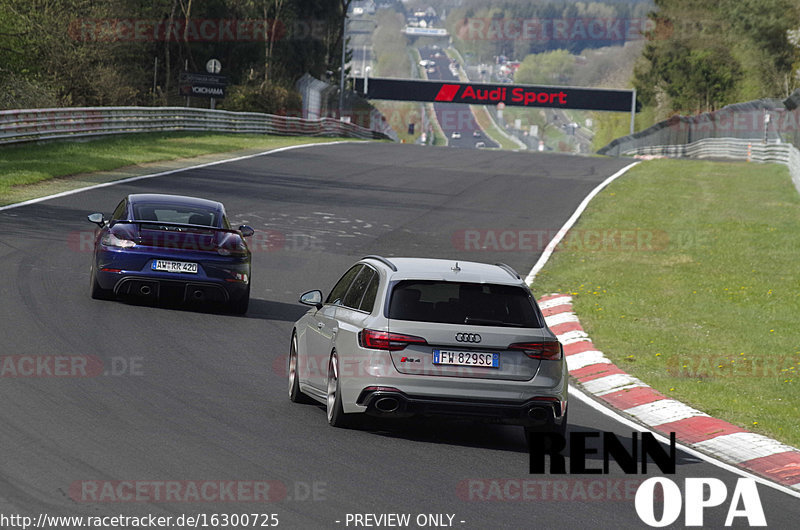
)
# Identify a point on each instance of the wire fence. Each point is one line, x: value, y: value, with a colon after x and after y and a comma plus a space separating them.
x: 760, y: 131
x: 729, y: 148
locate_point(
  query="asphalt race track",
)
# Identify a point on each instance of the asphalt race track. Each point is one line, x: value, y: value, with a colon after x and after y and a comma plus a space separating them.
x: 196, y: 395
x: 454, y: 117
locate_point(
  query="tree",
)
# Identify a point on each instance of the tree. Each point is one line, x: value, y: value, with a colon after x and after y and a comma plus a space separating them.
x: 548, y: 68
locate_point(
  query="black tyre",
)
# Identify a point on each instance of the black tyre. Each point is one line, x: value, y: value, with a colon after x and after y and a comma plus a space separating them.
x: 97, y: 292
x: 295, y: 394
x: 239, y: 307
x: 333, y: 406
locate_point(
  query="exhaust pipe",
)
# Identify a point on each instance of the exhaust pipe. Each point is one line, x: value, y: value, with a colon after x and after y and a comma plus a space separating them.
x: 198, y: 294
x: 538, y: 415
x: 145, y: 290
x: 387, y: 404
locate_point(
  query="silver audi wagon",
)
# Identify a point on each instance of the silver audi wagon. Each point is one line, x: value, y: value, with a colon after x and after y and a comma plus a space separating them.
x: 399, y: 337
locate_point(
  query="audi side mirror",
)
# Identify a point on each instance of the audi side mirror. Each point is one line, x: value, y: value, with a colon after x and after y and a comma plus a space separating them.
x: 312, y: 298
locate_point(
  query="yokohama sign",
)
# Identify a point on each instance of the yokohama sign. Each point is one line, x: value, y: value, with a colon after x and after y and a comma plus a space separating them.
x: 486, y: 94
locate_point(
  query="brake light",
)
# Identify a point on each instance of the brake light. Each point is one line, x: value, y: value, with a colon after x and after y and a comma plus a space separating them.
x: 545, y: 350
x: 110, y: 240
x: 238, y: 251
x: 232, y: 245
x: 383, y: 340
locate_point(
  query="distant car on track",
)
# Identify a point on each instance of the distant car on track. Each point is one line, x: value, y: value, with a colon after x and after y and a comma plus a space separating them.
x: 455, y: 135
x: 157, y: 246
x: 399, y: 337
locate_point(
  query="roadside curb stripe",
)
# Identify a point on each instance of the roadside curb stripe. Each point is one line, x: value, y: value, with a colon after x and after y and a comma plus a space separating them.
x: 597, y: 375
x: 743, y: 446
x: 784, y: 466
x: 612, y: 383
x: 596, y: 372
x: 578, y: 347
x: 571, y: 337
x: 631, y: 397
x: 553, y: 310
x: 699, y: 428
x: 548, y: 302
x: 586, y: 358
x: 560, y: 318
x: 662, y: 411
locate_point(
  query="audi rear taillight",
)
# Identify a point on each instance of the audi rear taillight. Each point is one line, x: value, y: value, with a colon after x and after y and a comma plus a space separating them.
x: 548, y: 350
x: 383, y: 340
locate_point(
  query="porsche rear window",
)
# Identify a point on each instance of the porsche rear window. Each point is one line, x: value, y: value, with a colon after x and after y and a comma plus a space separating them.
x: 166, y: 213
x: 463, y: 303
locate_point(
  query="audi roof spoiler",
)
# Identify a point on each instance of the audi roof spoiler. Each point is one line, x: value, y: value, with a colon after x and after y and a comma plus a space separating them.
x: 382, y: 260
x: 509, y: 270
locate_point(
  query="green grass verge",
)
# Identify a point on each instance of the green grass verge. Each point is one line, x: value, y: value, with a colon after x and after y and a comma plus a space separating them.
x: 612, y: 125
x: 399, y: 114
x: 24, y: 165
x: 696, y: 292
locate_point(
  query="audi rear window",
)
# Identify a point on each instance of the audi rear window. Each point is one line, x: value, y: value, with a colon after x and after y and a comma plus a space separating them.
x: 463, y: 303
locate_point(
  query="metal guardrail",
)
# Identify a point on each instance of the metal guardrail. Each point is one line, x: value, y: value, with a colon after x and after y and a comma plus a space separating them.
x: 733, y: 148
x: 46, y: 124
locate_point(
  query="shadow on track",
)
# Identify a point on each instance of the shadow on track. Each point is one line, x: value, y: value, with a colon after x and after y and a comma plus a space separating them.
x: 465, y: 433
x: 258, y: 309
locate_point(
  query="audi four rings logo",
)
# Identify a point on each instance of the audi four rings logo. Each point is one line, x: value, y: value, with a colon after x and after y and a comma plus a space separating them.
x: 468, y: 337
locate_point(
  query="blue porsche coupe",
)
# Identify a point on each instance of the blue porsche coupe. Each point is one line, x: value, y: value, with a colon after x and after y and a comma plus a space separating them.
x: 169, y: 246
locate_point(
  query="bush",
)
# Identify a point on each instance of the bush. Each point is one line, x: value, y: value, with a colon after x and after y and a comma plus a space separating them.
x: 265, y: 97
x: 17, y: 92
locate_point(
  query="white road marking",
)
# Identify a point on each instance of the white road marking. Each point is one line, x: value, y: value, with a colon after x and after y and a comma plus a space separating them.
x: 170, y: 172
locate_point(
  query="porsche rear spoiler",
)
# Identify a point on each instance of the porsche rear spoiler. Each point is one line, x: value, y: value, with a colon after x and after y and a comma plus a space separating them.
x: 176, y: 225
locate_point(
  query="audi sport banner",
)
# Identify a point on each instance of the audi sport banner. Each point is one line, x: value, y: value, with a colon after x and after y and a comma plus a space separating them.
x: 486, y: 94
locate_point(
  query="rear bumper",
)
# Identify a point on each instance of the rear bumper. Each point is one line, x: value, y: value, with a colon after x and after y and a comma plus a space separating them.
x: 500, y: 400
x: 184, y: 290
x: 384, y: 402
x: 129, y: 273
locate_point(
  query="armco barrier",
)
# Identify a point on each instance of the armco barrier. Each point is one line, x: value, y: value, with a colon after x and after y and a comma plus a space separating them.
x: 734, y: 148
x: 46, y: 124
